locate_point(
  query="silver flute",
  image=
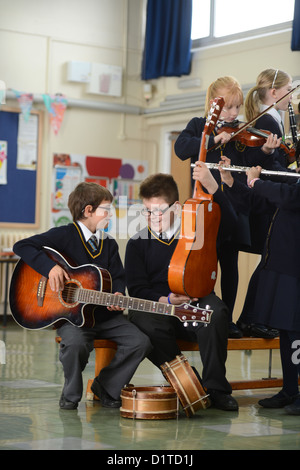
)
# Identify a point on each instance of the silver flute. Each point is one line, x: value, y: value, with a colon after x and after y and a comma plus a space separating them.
x: 243, y: 169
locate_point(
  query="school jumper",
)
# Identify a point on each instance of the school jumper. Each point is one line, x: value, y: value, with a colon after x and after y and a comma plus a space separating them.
x: 146, y: 265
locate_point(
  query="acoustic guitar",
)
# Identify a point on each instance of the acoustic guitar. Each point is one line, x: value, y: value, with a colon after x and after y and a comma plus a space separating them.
x: 35, y: 306
x: 193, y: 266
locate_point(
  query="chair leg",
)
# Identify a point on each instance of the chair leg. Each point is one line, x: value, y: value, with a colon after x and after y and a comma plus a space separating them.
x: 103, y: 357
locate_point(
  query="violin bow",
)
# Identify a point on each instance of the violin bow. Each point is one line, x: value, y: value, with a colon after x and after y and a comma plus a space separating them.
x: 233, y: 134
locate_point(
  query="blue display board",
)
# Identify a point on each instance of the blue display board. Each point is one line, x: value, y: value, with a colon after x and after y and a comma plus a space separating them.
x: 18, y: 197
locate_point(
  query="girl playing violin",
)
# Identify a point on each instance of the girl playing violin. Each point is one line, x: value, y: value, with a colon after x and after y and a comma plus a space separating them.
x: 187, y: 146
x: 271, y: 85
x: 188, y: 142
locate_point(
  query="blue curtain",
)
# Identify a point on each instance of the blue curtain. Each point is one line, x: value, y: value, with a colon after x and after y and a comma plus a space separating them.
x: 296, y: 27
x: 167, y: 51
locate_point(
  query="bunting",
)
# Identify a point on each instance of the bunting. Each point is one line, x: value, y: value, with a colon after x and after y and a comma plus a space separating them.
x: 56, y: 106
x: 25, y: 101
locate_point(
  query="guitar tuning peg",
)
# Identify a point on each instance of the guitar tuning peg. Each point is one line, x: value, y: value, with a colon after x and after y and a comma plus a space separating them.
x: 207, y: 307
x: 195, y: 323
x: 185, y: 324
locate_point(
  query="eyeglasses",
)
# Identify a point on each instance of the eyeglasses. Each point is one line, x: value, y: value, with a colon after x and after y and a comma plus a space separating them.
x: 105, y: 208
x: 155, y: 212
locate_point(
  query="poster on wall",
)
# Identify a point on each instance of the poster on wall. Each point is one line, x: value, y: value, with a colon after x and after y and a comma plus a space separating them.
x: 121, y: 176
x: 3, y: 162
x: 66, y: 179
x: 27, y: 142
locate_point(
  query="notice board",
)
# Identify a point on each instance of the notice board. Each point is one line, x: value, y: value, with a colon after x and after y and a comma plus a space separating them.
x: 19, y: 192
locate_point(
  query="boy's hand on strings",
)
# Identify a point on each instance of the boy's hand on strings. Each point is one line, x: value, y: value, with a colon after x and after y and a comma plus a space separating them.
x: 57, y: 278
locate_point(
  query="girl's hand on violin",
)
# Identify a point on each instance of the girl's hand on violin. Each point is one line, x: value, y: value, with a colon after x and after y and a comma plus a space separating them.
x: 222, y: 138
x: 226, y: 175
x: 271, y: 143
x: 253, y: 173
x: 202, y: 174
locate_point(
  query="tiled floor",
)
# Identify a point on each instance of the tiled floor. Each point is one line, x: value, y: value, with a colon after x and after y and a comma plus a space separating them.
x: 30, y: 387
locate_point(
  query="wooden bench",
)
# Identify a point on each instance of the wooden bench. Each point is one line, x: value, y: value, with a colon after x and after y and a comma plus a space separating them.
x: 105, y: 351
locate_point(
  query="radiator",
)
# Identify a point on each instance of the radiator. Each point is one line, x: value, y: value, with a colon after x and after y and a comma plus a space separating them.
x: 7, y: 241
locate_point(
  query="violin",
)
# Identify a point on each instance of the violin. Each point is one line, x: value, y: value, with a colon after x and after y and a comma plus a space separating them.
x: 242, y: 129
x: 193, y: 266
x: 253, y: 137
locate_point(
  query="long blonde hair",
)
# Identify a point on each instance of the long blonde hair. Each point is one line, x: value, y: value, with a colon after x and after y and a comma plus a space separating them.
x: 266, y: 80
x: 228, y: 87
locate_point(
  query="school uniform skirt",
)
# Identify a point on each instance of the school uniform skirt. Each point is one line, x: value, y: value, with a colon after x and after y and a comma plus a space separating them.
x: 273, y: 299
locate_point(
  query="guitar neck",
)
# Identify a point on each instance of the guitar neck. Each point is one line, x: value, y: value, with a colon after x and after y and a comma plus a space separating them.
x: 198, y: 190
x: 88, y: 296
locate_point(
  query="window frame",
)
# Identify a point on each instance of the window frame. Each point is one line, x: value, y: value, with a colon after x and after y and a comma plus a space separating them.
x: 211, y: 40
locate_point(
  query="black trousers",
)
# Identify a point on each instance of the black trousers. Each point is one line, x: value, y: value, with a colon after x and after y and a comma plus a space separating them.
x: 77, y: 344
x: 212, y: 340
x: 290, y: 360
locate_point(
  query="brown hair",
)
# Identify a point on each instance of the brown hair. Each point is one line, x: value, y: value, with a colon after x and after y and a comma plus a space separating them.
x: 159, y: 185
x: 228, y: 87
x: 266, y: 80
x: 87, y: 194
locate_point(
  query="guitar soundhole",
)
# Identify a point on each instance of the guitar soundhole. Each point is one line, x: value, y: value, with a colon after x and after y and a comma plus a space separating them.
x: 68, y: 296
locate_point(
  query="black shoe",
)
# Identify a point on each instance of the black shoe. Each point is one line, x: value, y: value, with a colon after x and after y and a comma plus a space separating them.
x: 222, y: 401
x: 256, y: 330
x: 65, y: 404
x: 106, y: 400
x: 234, y: 331
x: 294, y: 408
x: 280, y: 400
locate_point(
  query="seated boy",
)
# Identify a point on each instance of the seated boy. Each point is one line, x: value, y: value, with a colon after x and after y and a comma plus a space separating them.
x: 147, y: 258
x: 89, y: 205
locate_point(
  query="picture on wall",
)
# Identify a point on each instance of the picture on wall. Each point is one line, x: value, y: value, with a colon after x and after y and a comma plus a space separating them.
x: 121, y: 176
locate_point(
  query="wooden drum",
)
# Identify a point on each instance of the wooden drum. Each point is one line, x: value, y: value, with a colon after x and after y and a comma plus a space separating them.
x: 149, y: 402
x: 182, y: 378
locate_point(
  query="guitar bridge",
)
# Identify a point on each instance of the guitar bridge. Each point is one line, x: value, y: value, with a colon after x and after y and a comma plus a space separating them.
x: 41, y: 291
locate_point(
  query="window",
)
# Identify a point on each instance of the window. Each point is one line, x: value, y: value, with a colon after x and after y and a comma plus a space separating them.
x: 216, y: 21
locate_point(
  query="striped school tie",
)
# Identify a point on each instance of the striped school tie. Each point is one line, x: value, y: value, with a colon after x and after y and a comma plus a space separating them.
x: 162, y: 236
x: 93, y: 242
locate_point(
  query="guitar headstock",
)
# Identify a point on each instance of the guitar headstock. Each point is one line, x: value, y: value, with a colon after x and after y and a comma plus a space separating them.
x: 214, y: 114
x: 192, y: 313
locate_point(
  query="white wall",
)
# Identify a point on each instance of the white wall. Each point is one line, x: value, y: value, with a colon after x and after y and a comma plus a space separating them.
x: 37, y: 40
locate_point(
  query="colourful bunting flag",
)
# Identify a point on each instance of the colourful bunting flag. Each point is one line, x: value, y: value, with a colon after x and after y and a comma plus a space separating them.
x: 25, y: 101
x: 56, y: 106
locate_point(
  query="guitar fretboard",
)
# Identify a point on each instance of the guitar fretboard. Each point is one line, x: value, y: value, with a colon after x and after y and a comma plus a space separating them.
x: 107, y: 299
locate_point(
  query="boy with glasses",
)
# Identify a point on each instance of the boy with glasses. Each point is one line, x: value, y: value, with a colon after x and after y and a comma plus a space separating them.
x: 84, y: 242
x: 148, y: 254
